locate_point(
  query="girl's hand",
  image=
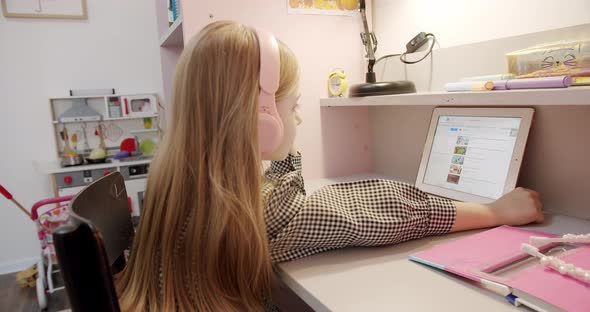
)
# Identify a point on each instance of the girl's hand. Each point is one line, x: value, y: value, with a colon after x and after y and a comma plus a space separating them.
x: 520, y: 206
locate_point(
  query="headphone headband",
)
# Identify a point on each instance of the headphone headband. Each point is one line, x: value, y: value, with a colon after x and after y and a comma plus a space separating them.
x: 269, y: 62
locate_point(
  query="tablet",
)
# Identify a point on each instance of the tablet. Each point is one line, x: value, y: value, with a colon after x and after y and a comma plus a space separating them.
x: 474, y: 154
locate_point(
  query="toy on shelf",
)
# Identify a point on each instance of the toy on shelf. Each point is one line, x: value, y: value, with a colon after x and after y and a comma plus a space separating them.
x: 561, y: 58
x: 79, y: 111
x: 112, y: 132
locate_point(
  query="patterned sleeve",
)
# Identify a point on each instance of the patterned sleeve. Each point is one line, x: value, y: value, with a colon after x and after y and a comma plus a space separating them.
x: 280, y: 168
x: 362, y: 213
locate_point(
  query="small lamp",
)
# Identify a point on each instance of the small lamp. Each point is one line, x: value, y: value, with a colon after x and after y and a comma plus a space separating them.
x: 371, y: 87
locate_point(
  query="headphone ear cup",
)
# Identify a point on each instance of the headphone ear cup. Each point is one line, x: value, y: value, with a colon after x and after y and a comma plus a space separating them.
x: 270, y: 133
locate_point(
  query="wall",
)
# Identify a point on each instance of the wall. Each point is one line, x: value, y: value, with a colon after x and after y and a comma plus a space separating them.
x: 474, y: 25
x: 334, y: 142
x: 457, y: 22
x: 116, y: 47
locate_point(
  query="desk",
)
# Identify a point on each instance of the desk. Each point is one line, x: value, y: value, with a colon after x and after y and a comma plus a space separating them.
x: 383, y: 279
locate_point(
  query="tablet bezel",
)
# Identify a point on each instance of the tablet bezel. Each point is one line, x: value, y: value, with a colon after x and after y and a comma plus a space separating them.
x: 526, y: 115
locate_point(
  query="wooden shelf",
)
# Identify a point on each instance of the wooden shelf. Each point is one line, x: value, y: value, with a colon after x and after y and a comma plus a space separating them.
x: 173, y: 37
x: 107, y: 119
x: 564, y: 96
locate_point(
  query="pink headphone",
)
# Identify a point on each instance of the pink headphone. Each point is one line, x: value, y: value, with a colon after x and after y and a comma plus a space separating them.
x: 270, y: 126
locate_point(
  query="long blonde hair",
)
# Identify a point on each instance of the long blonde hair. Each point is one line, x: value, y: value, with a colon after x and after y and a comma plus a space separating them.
x: 201, y: 243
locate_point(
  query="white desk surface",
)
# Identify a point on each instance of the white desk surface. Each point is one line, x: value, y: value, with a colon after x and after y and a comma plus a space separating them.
x: 383, y: 279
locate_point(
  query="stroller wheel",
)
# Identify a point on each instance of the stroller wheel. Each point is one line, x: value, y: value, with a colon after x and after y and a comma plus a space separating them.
x: 41, y: 296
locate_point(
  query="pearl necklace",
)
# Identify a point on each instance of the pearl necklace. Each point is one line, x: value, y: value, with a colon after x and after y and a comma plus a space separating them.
x: 555, y: 263
x: 567, y: 238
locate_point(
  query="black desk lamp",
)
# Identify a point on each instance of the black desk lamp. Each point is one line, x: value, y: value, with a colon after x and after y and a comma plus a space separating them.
x: 372, y: 87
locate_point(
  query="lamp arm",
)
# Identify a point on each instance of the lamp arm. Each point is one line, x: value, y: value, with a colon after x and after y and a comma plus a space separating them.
x: 368, y: 38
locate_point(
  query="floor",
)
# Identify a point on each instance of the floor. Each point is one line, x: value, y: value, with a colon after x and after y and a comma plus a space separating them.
x: 14, y: 298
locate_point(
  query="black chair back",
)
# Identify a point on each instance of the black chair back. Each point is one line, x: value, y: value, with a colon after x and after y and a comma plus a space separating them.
x: 90, y: 248
x: 105, y: 204
x: 85, y: 268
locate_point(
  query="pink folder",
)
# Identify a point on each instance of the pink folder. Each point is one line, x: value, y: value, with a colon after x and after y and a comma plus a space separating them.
x: 483, y: 256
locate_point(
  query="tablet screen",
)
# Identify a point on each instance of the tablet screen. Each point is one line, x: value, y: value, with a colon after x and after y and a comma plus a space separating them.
x: 472, y: 154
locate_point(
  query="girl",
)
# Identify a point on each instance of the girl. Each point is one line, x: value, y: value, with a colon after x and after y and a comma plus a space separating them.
x: 211, y: 226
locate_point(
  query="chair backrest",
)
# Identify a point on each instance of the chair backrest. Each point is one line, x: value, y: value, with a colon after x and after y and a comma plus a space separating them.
x: 104, y: 204
x: 88, y: 246
x: 85, y: 268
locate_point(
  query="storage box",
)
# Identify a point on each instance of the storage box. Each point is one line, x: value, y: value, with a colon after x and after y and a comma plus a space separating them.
x: 114, y: 105
x: 551, y: 59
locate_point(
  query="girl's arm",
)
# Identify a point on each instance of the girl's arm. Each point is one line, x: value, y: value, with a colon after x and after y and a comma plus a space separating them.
x: 362, y: 213
x: 371, y: 213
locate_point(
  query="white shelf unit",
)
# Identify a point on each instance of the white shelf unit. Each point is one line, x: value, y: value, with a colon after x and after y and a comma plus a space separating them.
x: 563, y: 96
x: 555, y: 161
x: 173, y: 37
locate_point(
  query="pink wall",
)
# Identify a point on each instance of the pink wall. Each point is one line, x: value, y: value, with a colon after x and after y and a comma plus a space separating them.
x: 333, y: 141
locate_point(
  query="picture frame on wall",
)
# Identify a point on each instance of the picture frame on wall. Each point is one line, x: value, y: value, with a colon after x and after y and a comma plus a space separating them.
x: 54, y: 9
x: 323, y: 7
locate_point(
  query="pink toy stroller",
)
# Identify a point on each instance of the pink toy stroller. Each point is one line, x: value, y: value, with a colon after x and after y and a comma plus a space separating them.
x: 48, y: 214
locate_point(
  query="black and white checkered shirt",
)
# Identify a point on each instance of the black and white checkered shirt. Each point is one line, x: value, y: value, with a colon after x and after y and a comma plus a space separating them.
x: 362, y: 213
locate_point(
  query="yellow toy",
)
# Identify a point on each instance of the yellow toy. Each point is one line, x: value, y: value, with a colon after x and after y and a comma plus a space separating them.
x: 28, y: 277
x: 147, y: 123
x: 337, y: 83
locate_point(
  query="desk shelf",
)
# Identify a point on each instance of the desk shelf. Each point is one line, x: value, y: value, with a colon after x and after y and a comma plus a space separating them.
x: 564, y: 96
